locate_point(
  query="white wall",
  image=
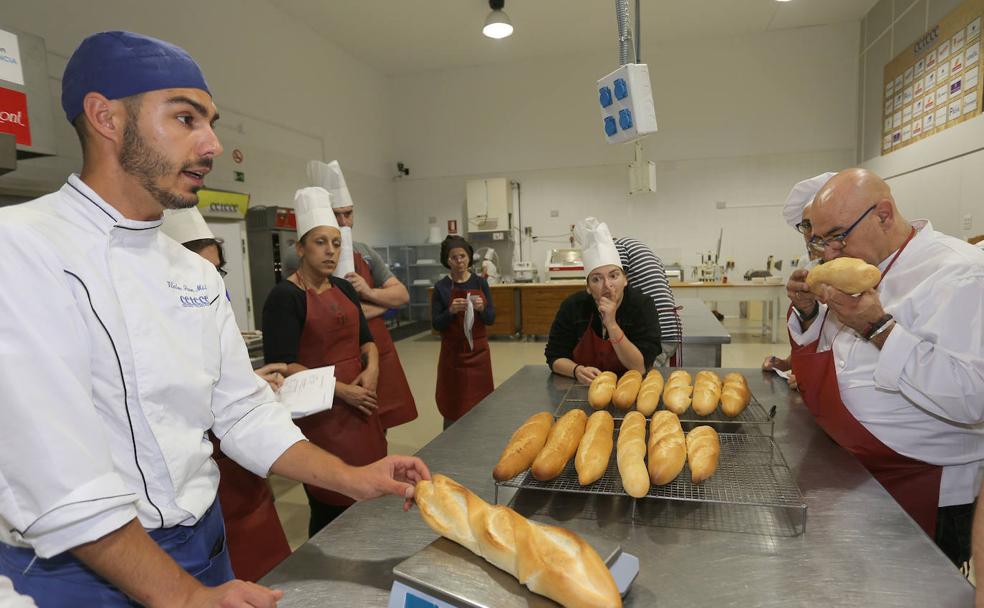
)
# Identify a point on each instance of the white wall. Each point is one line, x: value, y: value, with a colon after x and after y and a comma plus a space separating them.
x: 741, y: 120
x: 285, y: 95
x: 940, y: 177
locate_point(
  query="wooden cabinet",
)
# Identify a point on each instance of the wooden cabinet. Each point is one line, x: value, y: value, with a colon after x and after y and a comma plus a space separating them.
x: 539, y: 305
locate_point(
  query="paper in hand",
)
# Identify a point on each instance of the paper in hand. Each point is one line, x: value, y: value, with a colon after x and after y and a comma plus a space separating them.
x: 308, y: 392
x: 469, y: 322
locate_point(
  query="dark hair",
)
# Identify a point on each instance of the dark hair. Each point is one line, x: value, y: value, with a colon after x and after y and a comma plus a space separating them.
x: 132, y: 106
x: 197, y: 245
x: 454, y: 241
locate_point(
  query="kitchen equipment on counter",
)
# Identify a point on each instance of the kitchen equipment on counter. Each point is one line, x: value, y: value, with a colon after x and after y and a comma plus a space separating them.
x: 565, y: 264
x: 524, y: 272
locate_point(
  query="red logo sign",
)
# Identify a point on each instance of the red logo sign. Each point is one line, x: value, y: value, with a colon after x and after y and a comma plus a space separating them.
x: 13, y: 115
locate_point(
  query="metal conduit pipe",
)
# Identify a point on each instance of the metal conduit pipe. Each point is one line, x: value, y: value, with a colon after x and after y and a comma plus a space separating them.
x: 624, y: 33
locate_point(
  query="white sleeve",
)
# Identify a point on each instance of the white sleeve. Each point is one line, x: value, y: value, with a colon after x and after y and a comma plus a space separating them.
x: 10, y: 598
x: 939, y: 364
x: 253, y: 427
x: 812, y: 334
x: 58, y: 485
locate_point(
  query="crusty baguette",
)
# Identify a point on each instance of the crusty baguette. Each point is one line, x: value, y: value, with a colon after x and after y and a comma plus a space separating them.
x: 705, y: 398
x: 675, y: 375
x: 703, y: 450
x: 549, y: 560
x: 706, y: 375
x: 596, y: 448
x: 676, y: 397
x: 735, y: 395
x: 648, y: 398
x: 667, y: 448
x: 735, y: 377
x: 523, y: 446
x: 601, y: 390
x: 562, y: 442
x: 849, y: 275
x: 631, y: 455
x: 626, y: 390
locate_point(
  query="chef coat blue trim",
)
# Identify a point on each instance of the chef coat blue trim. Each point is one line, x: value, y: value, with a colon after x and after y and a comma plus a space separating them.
x: 126, y: 403
x: 116, y: 221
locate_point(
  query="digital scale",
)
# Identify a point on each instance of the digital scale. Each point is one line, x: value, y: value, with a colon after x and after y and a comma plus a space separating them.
x: 446, y: 575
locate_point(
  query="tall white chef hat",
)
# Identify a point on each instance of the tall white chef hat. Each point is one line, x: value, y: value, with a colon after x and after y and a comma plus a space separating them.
x: 329, y: 176
x: 312, y: 206
x: 185, y: 225
x: 598, y: 247
x: 801, y: 196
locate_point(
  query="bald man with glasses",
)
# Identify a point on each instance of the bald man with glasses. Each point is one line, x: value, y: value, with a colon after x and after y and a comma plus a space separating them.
x: 895, y: 375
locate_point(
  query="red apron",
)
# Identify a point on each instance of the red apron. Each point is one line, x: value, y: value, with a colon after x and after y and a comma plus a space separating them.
x: 914, y: 484
x: 254, y: 536
x: 594, y: 351
x: 396, y: 405
x: 464, y: 377
x: 331, y: 337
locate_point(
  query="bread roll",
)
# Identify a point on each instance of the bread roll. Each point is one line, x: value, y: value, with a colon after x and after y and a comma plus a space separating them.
x: 648, y: 398
x: 677, y: 392
x: 549, y: 560
x: 523, y: 446
x: 707, y: 375
x: 561, y: 444
x: 735, y: 377
x: 631, y: 455
x: 667, y: 448
x: 601, y: 390
x: 703, y: 449
x: 735, y: 395
x: 849, y: 275
x: 627, y: 389
x: 595, y: 449
x: 678, y: 374
x: 705, y: 398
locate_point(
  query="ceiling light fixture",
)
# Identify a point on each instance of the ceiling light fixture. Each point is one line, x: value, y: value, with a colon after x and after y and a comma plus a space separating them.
x: 497, y: 24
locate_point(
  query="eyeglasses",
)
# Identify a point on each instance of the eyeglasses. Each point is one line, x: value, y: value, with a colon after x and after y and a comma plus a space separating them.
x: 836, y: 242
x: 804, y: 227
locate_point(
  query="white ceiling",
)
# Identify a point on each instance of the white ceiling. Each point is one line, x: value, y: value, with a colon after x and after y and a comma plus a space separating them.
x: 407, y: 36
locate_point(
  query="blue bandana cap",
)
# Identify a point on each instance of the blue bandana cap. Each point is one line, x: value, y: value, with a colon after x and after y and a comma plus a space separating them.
x: 121, y: 64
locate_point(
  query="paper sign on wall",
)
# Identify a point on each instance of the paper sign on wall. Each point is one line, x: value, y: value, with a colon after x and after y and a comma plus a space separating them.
x: 11, y: 69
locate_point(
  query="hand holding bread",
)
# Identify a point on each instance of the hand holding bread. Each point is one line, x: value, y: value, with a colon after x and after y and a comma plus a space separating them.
x: 850, y: 275
x: 549, y: 560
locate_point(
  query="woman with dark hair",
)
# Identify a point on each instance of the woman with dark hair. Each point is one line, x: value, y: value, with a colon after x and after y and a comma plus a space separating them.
x: 314, y: 319
x: 461, y: 308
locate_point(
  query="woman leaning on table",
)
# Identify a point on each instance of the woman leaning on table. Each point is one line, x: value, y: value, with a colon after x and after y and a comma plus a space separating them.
x: 464, y: 371
x: 607, y: 327
x: 314, y: 320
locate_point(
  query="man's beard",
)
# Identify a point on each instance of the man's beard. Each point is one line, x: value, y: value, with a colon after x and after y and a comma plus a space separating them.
x: 147, y: 164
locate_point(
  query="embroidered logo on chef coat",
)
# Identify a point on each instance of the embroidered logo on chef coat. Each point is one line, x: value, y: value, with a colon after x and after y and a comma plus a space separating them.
x: 191, y: 297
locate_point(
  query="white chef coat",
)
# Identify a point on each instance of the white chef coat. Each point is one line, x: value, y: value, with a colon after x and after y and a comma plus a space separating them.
x: 922, y: 394
x: 118, y: 351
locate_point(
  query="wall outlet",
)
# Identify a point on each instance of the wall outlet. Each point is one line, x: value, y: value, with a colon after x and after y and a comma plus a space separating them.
x: 554, y: 213
x: 721, y: 204
x: 968, y: 222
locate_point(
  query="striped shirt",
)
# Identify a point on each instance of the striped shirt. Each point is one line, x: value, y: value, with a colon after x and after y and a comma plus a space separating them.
x: 645, y: 272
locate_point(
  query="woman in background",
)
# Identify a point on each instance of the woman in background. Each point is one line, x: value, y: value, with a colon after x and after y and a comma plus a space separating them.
x: 461, y: 308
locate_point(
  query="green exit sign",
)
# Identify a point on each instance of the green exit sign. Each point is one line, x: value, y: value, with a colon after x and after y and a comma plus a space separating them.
x: 240, y: 176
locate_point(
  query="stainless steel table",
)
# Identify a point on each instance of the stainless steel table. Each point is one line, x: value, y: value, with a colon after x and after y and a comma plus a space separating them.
x: 703, y: 334
x: 859, y: 548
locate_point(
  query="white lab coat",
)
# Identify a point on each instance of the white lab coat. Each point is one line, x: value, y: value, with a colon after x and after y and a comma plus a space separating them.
x: 922, y: 394
x: 118, y: 351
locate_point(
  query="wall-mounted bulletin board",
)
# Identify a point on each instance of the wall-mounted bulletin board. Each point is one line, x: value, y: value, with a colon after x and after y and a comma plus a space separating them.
x: 935, y: 83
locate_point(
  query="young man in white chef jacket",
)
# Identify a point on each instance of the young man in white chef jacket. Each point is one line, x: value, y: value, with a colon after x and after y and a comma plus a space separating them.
x: 119, y: 351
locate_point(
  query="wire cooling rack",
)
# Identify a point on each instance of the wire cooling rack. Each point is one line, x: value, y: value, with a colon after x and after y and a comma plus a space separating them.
x: 576, y: 398
x: 751, y: 473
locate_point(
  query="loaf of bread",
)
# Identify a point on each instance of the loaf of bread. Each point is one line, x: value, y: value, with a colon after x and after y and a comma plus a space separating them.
x: 677, y: 392
x: 707, y: 392
x: 652, y: 387
x: 849, y: 275
x: 561, y: 444
x: 627, y: 389
x: 703, y: 450
x: 632, y: 454
x: 595, y: 450
x: 667, y: 450
x: 735, y: 395
x: 523, y: 446
x: 601, y: 390
x: 549, y: 560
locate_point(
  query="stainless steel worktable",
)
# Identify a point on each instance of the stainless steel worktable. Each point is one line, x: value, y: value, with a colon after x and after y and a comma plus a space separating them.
x: 703, y: 334
x: 859, y: 548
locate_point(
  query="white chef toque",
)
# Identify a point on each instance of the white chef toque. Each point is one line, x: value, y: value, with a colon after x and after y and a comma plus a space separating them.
x: 801, y: 196
x: 598, y: 247
x: 185, y: 225
x: 329, y: 176
x: 312, y: 207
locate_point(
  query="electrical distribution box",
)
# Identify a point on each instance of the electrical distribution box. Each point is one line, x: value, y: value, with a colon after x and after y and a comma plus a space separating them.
x: 488, y: 204
x: 626, y: 100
